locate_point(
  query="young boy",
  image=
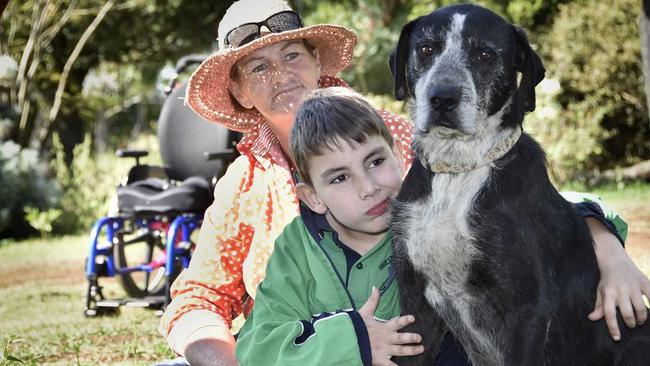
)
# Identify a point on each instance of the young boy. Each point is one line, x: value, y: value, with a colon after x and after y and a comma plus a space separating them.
x: 329, y: 292
x: 329, y: 289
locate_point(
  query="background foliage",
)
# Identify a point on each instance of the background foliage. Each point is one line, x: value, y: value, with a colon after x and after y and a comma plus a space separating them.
x: 592, y: 117
x: 23, y: 183
x: 600, y: 117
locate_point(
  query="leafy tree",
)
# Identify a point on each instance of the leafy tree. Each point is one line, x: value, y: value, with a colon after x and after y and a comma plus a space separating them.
x: 593, y: 51
x: 644, y: 29
x: 377, y: 24
x: 48, y: 48
x: 58, y: 42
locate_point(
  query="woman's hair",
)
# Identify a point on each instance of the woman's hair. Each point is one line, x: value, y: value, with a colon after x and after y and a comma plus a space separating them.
x: 328, y: 116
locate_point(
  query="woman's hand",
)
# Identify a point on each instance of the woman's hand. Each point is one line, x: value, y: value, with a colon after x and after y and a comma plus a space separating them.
x: 621, y: 284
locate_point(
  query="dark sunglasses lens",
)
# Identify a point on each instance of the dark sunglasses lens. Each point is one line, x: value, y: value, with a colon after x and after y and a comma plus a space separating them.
x: 283, y: 22
x: 243, y: 34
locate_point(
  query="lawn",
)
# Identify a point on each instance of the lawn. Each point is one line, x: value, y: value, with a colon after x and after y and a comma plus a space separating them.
x: 42, y: 289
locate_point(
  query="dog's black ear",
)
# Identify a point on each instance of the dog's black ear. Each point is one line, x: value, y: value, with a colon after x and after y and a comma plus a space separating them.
x: 530, y: 65
x: 399, y: 59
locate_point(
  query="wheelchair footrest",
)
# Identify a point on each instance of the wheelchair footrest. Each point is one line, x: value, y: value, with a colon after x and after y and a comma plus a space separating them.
x: 155, y: 302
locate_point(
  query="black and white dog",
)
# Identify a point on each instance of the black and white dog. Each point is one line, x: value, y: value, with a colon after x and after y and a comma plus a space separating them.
x: 484, y: 245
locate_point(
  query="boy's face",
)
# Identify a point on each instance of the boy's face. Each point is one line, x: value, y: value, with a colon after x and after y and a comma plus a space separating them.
x: 352, y: 186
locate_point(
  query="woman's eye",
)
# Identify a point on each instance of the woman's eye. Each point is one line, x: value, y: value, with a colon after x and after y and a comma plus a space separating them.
x: 426, y: 50
x: 291, y: 56
x: 259, y: 68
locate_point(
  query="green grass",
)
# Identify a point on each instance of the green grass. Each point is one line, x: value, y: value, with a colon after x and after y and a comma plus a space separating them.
x: 621, y: 197
x: 42, y: 288
x: 630, y: 191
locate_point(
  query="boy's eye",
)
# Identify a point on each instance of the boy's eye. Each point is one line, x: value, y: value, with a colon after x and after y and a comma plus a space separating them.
x: 377, y: 162
x: 340, y: 179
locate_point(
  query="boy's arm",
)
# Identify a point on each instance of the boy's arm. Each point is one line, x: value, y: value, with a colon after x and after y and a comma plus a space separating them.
x: 621, y: 283
x: 281, y: 329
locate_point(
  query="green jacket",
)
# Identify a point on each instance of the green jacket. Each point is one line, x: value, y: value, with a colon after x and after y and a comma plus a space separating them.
x: 304, y: 312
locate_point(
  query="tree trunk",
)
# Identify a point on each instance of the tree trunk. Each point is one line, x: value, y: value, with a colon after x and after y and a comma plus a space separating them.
x: 644, y: 25
x: 3, y: 5
x: 58, y: 96
x: 637, y: 172
x: 101, y: 133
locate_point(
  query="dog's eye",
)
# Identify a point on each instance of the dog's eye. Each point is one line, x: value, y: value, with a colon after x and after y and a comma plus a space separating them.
x: 426, y: 50
x: 485, y: 55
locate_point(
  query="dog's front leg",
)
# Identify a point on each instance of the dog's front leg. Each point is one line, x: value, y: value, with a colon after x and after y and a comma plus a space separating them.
x: 427, y: 321
x: 527, y: 334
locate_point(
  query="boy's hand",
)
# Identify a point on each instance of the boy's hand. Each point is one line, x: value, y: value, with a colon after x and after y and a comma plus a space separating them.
x: 621, y: 284
x: 385, y: 341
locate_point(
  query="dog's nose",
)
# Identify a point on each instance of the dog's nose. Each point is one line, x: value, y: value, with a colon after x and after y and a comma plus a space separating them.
x: 444, y: 98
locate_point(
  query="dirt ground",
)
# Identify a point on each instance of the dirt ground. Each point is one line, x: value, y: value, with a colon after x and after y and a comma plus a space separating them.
x: 638, y: 243
x: 61, y: 273
x: 638, y: 239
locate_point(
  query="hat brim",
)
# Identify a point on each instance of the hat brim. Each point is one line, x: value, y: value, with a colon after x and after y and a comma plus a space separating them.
x: 207, y: 89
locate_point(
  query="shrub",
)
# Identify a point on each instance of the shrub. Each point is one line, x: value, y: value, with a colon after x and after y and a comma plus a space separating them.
x: 88, y: 184
x: 23, y: 183
x: 388, y: 103
x: 600, y: 117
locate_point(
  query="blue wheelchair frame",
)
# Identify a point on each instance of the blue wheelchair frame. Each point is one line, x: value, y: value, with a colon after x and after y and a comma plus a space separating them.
x: 101, y: 262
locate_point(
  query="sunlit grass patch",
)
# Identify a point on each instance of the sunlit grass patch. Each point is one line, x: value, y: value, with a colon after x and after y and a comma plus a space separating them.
x: 43, y: 291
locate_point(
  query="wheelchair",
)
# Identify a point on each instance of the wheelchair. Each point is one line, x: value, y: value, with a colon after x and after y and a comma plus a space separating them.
x: 148, y: 241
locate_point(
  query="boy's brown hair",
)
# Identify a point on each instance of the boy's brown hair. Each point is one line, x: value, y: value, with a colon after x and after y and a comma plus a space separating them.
x: 328, y: 114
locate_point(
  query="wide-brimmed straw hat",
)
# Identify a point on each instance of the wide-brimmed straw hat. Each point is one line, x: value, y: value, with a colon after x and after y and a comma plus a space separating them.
x: 207, y: 90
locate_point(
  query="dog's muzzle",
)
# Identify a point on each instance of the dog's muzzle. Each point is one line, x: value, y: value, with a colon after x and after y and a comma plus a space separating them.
x: 443, y: 100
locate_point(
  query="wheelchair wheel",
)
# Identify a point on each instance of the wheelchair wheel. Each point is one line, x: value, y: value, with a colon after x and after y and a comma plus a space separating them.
x: 148, y: 250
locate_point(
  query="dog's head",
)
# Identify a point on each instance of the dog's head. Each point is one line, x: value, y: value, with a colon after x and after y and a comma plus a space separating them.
x: 459, y: 65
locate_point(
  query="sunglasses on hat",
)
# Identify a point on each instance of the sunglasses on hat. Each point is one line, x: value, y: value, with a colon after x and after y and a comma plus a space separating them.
x: 276, y: 23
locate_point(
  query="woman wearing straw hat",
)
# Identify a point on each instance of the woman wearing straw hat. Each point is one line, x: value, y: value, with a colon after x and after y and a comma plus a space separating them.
x: 267, y: 61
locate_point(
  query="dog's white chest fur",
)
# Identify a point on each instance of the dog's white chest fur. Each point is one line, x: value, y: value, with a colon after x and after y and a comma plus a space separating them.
x: 440, y: 245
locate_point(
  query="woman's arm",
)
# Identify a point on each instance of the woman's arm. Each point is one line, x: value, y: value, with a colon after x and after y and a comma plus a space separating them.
x: 207, y: 295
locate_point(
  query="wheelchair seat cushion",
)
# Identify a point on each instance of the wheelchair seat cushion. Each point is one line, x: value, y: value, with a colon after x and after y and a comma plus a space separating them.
x: 155, y: 184
x: 154, y: 195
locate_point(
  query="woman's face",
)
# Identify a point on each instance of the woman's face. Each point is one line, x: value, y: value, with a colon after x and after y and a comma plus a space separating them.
x: 274, y: 79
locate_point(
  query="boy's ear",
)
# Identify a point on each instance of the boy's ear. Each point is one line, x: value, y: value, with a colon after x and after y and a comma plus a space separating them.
x: 398, y: 151
x: 308, y: 196
x: 240, y: 96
